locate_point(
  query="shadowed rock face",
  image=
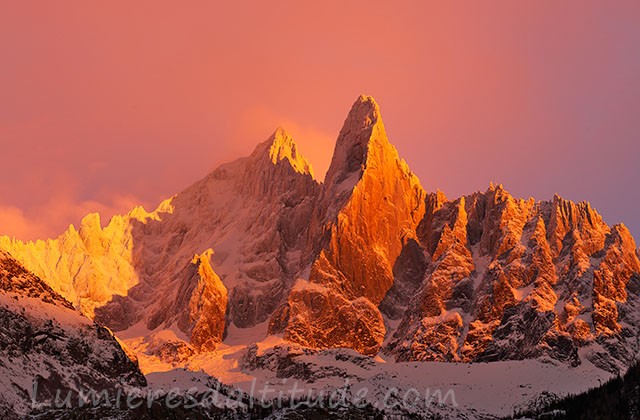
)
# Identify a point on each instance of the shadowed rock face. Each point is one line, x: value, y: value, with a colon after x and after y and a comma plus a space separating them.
x: 365, y: 257
x: 14, y: 278
x: 48, y: 347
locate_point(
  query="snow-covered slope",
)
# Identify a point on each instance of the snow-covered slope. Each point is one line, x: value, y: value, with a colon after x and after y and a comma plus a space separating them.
x: 48, y: 350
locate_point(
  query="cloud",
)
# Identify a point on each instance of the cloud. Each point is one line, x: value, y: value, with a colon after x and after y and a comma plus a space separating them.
x: 50, y: 219
x: 14, y: 223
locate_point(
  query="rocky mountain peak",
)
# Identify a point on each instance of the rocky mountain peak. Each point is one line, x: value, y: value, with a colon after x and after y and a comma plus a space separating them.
x: 362, y: 142
x: 283, y: 147
x: 280, y: 146
x: 275, y: 168
x: 370, y: 207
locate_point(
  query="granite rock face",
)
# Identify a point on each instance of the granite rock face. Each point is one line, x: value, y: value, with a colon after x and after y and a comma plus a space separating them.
x: 516, y: 279
x: 368, y: 209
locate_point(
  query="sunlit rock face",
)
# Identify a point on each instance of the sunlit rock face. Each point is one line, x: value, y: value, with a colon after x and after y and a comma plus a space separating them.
x: 516, y: 279
x: 369, y: 207
x: 366, y: 260
x: 86, y: 265
x: 199, y: 309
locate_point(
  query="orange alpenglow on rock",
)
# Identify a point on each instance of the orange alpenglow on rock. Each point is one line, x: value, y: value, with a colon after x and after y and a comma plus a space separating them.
x: 366, y: 260
x: 370, y: 206
x: 282, y: 147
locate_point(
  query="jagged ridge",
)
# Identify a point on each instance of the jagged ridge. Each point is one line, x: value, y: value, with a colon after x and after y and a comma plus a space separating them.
x: 515, y: 279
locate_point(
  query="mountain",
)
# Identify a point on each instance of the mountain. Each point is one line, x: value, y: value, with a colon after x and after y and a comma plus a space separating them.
x: 224, y: 250
x: 368, y: 208
x: 260, y: 253
x: 49, y: 351
x: 510, y: 279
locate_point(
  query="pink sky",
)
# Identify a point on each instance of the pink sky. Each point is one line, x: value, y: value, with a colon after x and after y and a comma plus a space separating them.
x: 107, y: 104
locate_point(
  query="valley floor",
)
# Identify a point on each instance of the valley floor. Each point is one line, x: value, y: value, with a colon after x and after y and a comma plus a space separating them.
x: 280, y: 370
